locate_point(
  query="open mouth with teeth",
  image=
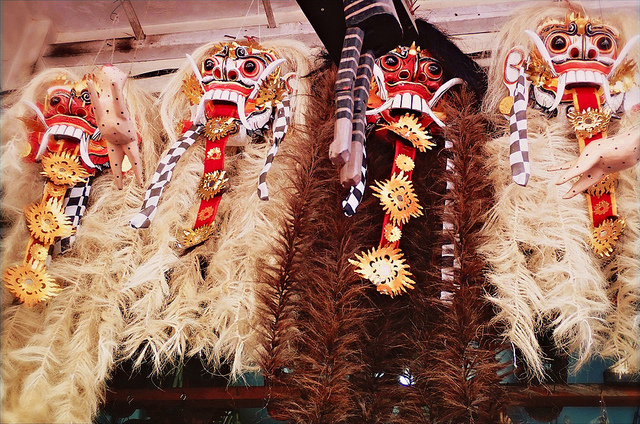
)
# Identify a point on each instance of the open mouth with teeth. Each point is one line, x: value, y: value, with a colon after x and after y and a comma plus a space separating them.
x: 407, y: 102
x: 72, y: 134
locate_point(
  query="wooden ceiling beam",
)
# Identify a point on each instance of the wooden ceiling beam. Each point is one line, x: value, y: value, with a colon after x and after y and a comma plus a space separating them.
x: 133, y: 19
x: 268, y: 10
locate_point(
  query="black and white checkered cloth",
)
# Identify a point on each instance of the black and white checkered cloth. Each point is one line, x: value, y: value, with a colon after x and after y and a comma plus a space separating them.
x: 162, y: 176
x: 74, y: 205
x: 518, y: 143
x: 280, y: 127
x: 449, y: 263
x: 356, y: 192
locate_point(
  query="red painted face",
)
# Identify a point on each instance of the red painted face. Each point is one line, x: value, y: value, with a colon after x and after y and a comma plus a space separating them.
x: 69, y: 119
x: 411, y: 77
x: 232, y: 71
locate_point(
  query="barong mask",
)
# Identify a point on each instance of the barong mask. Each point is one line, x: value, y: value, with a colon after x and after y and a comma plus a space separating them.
x: 64, y: 137
x: 408, y: 84
x: 237, y: 88
x: 579, y: 62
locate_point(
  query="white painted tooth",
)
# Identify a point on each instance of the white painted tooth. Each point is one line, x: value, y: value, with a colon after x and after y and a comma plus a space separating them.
x: 424, y: 107
x: 217, y: 94
x: 581, y: 76
x: 397, y: 100
x: 406, y: 101
x: 225, y: 95
x: 234, y: 97
x: 571, y: 77
x: 591, y: 76
x: 68, y: 130
x: 78, y: 134
x: 416, y: 102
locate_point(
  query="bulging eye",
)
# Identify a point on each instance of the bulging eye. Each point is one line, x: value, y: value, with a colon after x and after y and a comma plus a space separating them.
x: 241, y: 52
x: 208, y: 65
x: 390, y: 62
x: 558, y: 43
x: 604, y: 44
x: 434, y: 70
x: 86, y: 97
x: 54, y: 100
x: 251, y: 68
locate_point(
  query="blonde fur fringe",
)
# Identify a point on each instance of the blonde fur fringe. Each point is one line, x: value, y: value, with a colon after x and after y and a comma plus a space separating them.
x: 176, y: 309
x: 544, y: 272
x: 57, y: 356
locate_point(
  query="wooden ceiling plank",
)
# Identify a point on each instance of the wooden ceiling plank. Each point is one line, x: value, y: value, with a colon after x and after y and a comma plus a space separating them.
x: 268, y: 11
x: 133, y: 19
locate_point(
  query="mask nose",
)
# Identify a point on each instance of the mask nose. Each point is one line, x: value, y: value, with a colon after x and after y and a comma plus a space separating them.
x: 583, y: 50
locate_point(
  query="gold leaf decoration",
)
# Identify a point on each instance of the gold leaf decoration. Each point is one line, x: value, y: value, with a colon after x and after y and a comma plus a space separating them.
x: 212, y: 184
x: 385, y: 267
x: 604, y: 237
x: 589, y: 122
x: 604, y: 186
x: 411, y: 130
x: 214, y: 153
x: 219, y: 127
x: 47, y: 221
x: 192, y: 89
x: 398, y: 198
x: 63, y: 169
x: 196, y: 236
x: 30, y: 283
x: 271, y: 91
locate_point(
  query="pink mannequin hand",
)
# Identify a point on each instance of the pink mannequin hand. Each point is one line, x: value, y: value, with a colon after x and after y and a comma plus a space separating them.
x: 117, y: 127
x: 600, y: 158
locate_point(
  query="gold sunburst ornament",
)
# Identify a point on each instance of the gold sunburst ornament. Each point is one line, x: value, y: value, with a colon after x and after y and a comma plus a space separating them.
x: 392, y: 233
x: 590, y: 121
x: 386, y: 268
x: 404, y: 163
x: 411, y: 130
x: 604, y: 237
x: 63, y: 169
x: 47, y: 221
x: 30, y: 283
x: 398, y: 198
x: 219, y: 127
x: 212, y: 184
x: 196, y: 236
x: 39, y: 252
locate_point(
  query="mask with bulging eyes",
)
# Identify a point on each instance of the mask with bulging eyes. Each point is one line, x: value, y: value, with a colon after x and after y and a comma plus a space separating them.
x: 578, y: 51
x: 245, y: 81
x: 66, y: 122
x: 408, y: 81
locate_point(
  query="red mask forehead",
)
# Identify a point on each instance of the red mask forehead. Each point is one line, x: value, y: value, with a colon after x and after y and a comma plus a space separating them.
x: 410, y: 68
x: 69, y: 100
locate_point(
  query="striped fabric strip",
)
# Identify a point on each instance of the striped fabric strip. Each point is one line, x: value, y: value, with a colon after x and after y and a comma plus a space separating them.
x: 74, y: 204
x: 518, y: 143
x: 162, y: 176
x: 280, y: 127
